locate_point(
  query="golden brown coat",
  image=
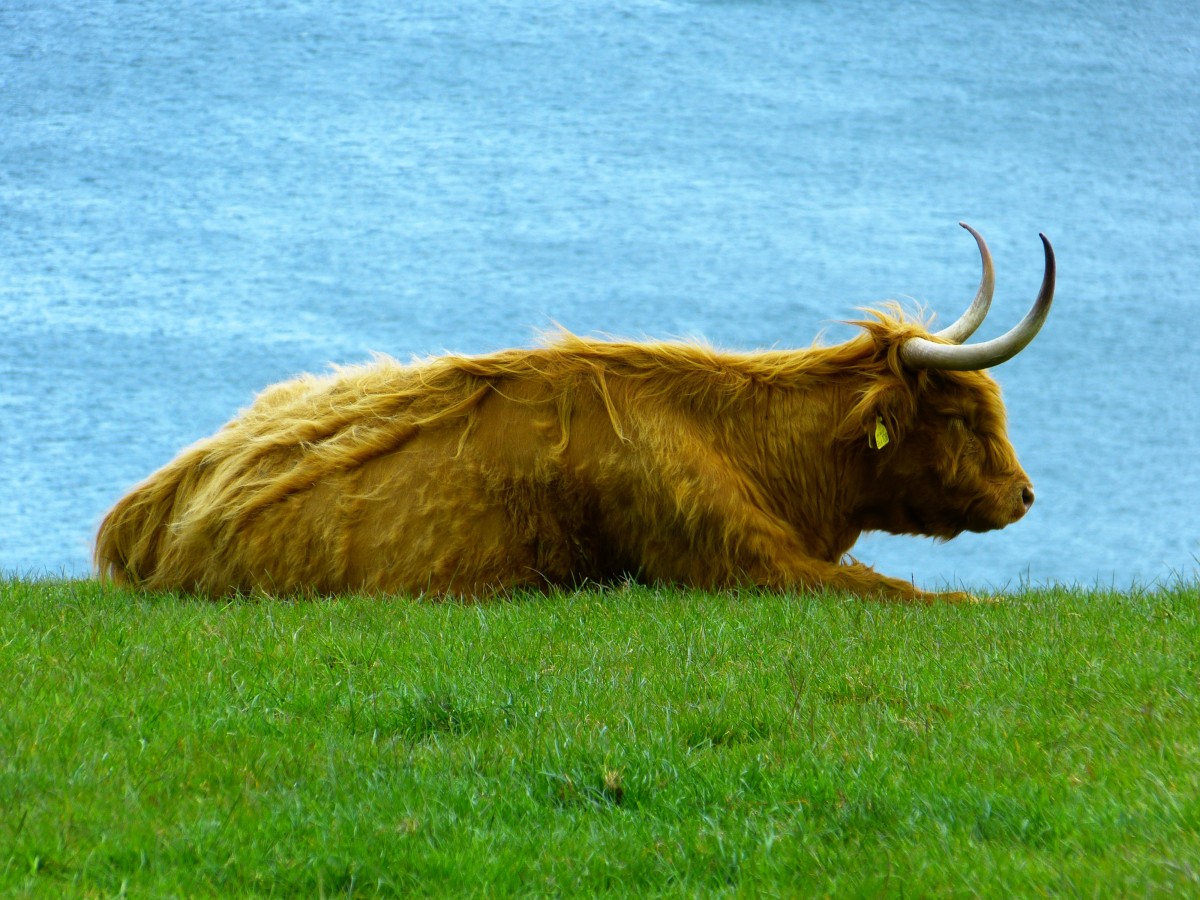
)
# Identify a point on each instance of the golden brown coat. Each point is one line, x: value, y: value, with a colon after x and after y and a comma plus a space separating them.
x: 582, y: 460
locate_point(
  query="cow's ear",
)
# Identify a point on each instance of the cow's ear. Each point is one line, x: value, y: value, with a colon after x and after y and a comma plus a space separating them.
x: 895, y: 411
x: 878, y: 415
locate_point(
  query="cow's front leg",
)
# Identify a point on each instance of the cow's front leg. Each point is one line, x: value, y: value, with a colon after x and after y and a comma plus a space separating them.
x: 865, y: 582
x: 782, y: 564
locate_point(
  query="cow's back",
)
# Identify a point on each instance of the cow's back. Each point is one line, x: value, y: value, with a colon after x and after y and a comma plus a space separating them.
x: 454, y: 485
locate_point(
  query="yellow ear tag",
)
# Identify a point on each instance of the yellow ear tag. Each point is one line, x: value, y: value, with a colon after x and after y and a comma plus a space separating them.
x: 880, y: 438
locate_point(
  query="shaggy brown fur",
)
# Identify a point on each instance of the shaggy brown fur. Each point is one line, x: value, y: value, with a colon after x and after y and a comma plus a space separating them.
x: 582, y: 460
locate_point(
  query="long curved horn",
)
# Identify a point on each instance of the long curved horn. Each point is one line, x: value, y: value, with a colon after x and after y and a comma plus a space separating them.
x: 921, y: 353
x: 974, y: 316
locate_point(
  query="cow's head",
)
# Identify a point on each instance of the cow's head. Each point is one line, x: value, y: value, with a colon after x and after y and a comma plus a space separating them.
x: 931, y: 424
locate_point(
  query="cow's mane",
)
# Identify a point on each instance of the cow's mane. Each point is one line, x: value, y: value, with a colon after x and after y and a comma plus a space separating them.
x: 355, y: 413
x: 693, y: 368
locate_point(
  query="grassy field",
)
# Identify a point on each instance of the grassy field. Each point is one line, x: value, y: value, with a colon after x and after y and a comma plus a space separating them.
x: 633, y: 741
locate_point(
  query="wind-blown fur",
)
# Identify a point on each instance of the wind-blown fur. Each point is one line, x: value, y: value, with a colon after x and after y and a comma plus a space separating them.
x: 581, y: 460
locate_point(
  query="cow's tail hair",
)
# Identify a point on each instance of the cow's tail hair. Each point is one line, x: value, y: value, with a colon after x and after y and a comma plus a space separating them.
x: 131, y: 540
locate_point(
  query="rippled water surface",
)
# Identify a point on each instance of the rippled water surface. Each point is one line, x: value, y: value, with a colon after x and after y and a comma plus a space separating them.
x: 199, y: 200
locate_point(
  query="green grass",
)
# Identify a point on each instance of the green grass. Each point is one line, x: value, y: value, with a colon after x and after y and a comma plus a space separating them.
x: 632, y: 741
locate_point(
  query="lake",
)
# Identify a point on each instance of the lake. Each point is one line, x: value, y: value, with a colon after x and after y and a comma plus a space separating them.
x: 201, y: 200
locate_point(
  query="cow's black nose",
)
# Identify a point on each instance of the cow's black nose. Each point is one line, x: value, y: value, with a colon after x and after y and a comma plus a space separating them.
x: 1027, y: 496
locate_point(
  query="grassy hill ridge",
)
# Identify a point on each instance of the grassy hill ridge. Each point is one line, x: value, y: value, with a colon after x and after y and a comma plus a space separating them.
x: 640, y: 740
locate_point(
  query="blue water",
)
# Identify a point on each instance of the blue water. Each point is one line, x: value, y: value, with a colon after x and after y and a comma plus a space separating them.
x: 197, y: 200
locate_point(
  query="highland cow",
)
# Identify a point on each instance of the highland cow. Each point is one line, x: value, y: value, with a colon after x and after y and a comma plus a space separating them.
x: 588, y: 461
